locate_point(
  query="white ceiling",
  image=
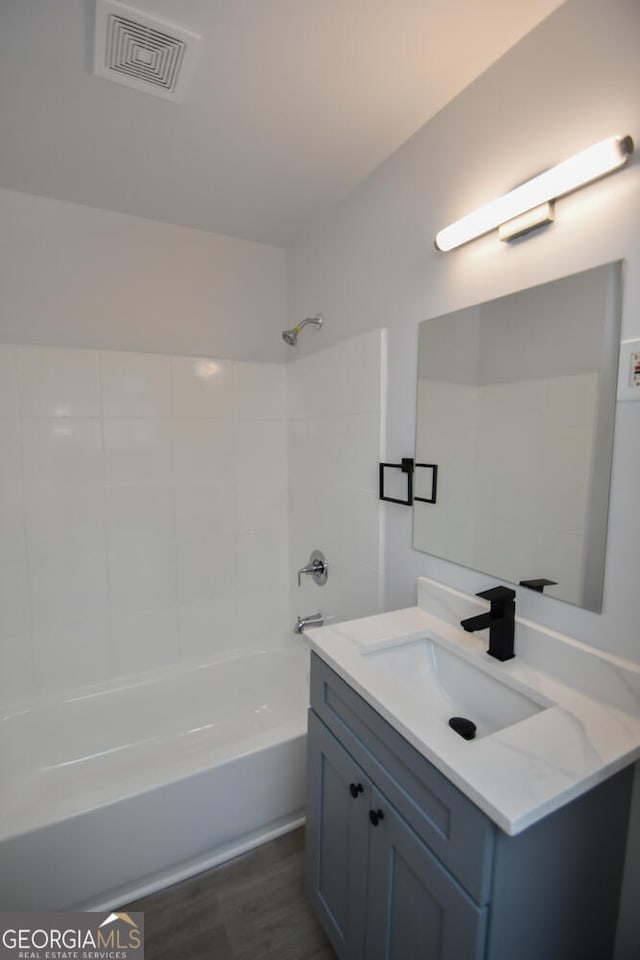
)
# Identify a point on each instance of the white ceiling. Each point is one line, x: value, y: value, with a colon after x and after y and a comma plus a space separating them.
x: 292, y: 104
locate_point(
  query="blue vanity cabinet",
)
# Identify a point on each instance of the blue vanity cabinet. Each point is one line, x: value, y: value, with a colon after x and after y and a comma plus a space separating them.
x: 379, y: 892
x: 337, y: 840
x: 400, y: 865
x: 415, y: 909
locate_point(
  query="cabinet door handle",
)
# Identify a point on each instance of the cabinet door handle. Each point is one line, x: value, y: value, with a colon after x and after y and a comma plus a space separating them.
x: 375, y: 816
x: 355, y: 789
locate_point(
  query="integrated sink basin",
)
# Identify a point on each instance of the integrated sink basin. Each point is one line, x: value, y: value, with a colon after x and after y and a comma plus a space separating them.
x: 450, y: 686
x: 551, y: 723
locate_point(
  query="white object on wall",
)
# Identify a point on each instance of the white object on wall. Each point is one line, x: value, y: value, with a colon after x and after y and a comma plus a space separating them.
x: 629, y: 370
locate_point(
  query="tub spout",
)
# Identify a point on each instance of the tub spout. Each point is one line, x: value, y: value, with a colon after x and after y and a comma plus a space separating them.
x: 315, y: 620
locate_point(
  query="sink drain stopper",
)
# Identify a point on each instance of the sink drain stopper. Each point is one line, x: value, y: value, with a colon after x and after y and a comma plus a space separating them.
x: 466, y: 728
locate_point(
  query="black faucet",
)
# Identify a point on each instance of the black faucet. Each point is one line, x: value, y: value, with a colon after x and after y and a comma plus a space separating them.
x: 499, y: 619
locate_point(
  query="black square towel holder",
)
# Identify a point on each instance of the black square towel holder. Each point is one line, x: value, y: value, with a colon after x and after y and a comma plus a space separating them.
x: 407, y: 465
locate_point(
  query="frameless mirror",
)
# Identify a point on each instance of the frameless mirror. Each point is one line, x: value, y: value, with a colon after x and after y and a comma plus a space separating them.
x: 515, y: 410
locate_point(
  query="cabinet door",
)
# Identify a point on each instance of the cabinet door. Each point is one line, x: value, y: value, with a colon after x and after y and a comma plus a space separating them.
x: 338, y: 800
x: 415, y: 909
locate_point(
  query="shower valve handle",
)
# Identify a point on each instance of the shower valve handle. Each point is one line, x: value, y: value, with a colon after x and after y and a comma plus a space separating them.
x: 317, y: 568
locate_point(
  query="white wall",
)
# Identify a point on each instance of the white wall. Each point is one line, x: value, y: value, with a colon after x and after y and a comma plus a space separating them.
x: 571, y: 82
x: 76, y: 276
x: 372, y: 264
x: 143, y: 514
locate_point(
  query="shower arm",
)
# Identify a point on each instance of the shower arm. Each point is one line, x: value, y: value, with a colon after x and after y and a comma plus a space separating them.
x: 316, y: 321
x: 291, y: 336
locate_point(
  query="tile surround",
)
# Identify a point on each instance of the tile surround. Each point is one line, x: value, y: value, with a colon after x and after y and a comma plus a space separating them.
x: 16, y: 663
x: 8, y: 383
x: 207, y: 621
x: 63, y: 452
x: 14, y: 601
x: 69, y: 586
x: 145, y: 638
x: 130, y: 485
x: 145, y: 503
x: 72, y: 655
x: 58, y: 383
x: 202, y: 388
x: 207, y: 568
x: 10, y: 474
x: 141, y: 575
x: 260, y: 386
x: 145, y: 513
x: 135, y: 385
x: 336, y: 416
x: 204, y: 509
x: 137, y: 451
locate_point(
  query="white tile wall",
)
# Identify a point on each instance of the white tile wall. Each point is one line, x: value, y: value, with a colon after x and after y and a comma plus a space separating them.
x: 336, y: 416
x: 144, y: 639
x: 142, y: 500
x: 14, y: 598
x: 145, y: 513
x: 10, y: 474
x: 138, y: 451
x: 202, y: 388
x: 207, y: 567
x: 16, y: 663
x: 260, y: 388
x: 61, y: 452
x: 204, y: 450
x: 67, y: 587
x: 72, y: 655
x: 58, y: 383
x: 142, y: 575
x: 208, y: 624
x: 8, y: 383
x: 135, y: 385
x: 203, y: 509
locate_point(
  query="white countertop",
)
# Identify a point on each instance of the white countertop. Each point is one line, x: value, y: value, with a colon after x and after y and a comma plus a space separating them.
x: 587, y: 730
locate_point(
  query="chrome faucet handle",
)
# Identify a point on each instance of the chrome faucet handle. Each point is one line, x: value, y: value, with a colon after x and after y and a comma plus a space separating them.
x: 317, y: 568
x: 310, y: 568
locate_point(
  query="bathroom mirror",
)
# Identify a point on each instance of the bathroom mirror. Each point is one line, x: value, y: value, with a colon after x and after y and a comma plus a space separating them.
x: 515, y: 408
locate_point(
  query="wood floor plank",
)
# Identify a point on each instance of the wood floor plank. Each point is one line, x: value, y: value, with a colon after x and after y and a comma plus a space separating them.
x: 252, y: 908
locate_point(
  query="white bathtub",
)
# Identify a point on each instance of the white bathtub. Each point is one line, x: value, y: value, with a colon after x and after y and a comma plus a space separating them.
x: 114, y: 794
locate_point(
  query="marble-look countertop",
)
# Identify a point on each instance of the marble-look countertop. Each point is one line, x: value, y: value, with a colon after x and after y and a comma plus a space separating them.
x: 587, y: 729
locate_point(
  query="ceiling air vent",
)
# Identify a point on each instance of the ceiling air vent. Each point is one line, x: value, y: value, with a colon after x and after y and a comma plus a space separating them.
x: 142, y: 51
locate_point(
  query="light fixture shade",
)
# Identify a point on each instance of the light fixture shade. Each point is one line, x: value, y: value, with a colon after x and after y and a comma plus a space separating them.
x: 588, y: 165
x: 528, y: 221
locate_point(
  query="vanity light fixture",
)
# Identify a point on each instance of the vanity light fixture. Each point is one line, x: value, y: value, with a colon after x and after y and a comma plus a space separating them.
x: 584, y: 167
x: 526, y: 222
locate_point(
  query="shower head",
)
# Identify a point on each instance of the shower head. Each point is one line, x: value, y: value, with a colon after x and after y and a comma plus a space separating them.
x: 291, y: 336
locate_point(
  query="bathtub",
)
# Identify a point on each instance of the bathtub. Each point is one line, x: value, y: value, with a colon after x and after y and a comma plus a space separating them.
x: 116, y: 793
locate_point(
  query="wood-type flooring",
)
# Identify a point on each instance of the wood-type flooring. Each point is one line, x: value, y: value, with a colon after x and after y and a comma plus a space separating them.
x: 251, y: 908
